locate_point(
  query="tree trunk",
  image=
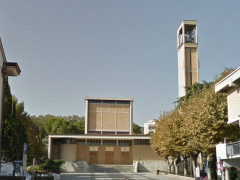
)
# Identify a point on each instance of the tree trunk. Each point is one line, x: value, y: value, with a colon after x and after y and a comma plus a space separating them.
x: 185, y: 166
x: 209, y: 168
x: 176, y: 165
x: 170, y: 163
x: 169, y: 168
x: 194, y: 166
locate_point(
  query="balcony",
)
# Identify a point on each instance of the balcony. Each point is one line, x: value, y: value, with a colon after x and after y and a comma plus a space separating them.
x: 229, y: 153
x: 233, y: 149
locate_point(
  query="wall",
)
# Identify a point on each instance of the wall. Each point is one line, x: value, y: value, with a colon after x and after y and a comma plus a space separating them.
x: 181, y: 72
x: 144, y: 152
x: 148, y: 159
x: 233, y: 100
x: 68, y: 152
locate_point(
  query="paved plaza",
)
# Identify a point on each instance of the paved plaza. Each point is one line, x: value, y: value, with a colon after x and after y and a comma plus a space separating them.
x: 117, y: 176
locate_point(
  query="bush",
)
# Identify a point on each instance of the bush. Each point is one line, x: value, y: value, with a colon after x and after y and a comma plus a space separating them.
x: 233, y: 174
x: 51, y: 165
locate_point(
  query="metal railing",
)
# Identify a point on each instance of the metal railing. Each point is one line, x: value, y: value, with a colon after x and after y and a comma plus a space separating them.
x: 233, y: 149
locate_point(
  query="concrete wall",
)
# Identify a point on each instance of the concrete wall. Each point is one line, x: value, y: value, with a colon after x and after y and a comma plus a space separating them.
x: 68, y: 152
x: 181, y: 72
x: 233, y: 100
x: 144, y: 152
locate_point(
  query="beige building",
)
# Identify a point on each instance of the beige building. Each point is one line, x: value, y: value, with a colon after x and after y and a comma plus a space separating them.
x: 108, y: 137
x: 188, y: 62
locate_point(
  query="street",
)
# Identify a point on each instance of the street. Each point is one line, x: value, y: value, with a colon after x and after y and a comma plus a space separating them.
x: 116, y: 176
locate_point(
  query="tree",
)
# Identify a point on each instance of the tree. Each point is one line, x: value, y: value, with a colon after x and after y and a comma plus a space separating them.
x: 59, y: 125
x: 136, y: 129
x: 13, y: 131
x: 198, y: 123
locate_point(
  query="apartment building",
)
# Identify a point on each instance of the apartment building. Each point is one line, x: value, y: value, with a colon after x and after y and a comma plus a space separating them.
x: 230, y: 153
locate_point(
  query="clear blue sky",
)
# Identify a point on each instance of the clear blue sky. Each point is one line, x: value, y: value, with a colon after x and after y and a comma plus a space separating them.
x: 124, y: 48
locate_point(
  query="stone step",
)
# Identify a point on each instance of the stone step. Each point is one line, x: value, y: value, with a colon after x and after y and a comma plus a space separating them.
x: 112, y: 168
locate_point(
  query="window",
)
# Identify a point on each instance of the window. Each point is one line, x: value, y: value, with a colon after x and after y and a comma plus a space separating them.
x: 124, y: 143
x: 141, y: 142
x: 122, y: 132
x: 93, y: 142
x: 81, y: 142
x: 56, y: 141
x: 94, y: 101
x: 68, y: 141
x: 123, y: 102
x: 109, y: 142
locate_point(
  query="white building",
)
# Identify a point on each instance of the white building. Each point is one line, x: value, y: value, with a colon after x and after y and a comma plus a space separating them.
x: 150, y: 126
x: 230, y: 153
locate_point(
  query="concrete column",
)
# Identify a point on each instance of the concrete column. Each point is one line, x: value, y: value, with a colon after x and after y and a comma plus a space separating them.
x: 226, y: 174
x: 86, y: 116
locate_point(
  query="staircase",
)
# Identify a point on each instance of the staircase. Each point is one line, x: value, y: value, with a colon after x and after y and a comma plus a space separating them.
x: 74, y: 167
x: 112, y: 168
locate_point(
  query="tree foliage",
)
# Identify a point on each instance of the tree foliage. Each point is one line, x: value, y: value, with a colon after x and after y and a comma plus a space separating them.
x: 197, y: 124
x: 136, y: 129
x: 13, y: 130
x: 58, y: 125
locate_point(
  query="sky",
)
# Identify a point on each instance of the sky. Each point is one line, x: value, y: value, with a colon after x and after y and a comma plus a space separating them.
x: 70, y: 49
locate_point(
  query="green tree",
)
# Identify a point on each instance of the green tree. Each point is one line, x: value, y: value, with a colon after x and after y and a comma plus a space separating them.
x: 13, y: 131
x: 136, y: 129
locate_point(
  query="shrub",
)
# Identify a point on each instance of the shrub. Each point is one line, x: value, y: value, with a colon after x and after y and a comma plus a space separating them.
x: 51, y: 165
x: 233, y: 173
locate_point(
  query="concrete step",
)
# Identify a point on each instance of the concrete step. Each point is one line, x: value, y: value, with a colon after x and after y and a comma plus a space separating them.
x: 72, y: 166
x: 111, y: 168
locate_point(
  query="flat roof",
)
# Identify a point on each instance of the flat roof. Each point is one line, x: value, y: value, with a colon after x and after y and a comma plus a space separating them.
x: 228, y: 82
x: 100, y: 136
x: 109, y: 98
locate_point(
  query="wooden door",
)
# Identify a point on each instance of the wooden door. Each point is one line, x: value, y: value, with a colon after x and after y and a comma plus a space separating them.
x: 125, y: 158
x: 93, y: 157
x: 109, y: 157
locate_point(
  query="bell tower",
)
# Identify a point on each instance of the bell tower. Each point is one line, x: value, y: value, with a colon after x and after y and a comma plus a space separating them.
x: 188, y: 62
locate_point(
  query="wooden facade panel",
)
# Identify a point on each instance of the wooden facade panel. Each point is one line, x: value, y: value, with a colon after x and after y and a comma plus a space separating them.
x: 125, y: 158
x: 126, y: 108
x: 194, y: 58
x: 92, y: 107
x: 94, y: 120
x: 98, y: 107
x: 112, y: 107
x: 101, y: 157
x: 108, y: 120
x: 123, y: 121
x: 117, y: 155
x: 55, y: 153
x: 93, y: 157
x: 120, y: 107
x: 105, y: 107
x: 109, y: 157
x: 81, y: 153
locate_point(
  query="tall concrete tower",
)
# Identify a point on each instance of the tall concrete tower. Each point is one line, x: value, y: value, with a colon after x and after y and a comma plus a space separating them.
x: 188, y: 63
